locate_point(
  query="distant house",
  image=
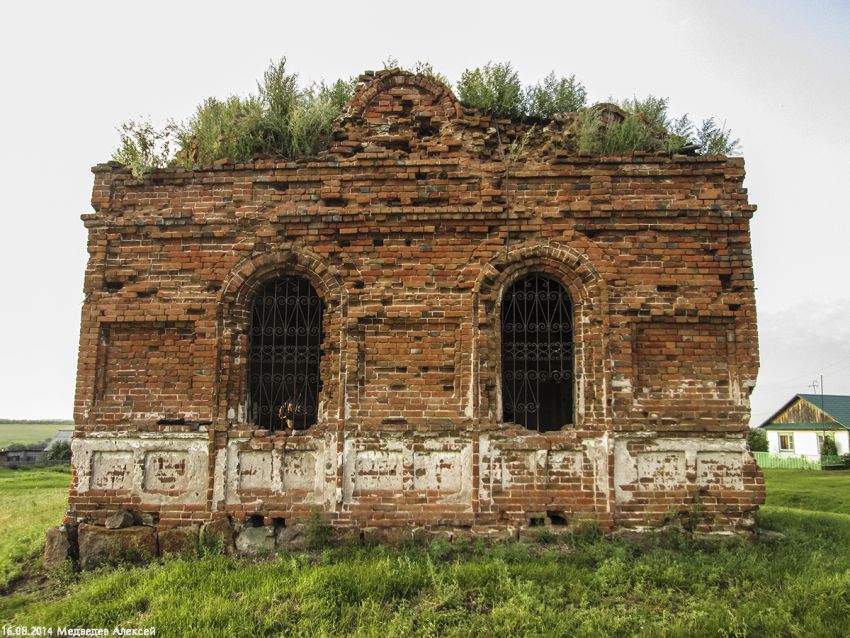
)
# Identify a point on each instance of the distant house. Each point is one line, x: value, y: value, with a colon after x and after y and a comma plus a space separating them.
x: 23, y: 456
x: 800, y: 426
x: 61, y: 436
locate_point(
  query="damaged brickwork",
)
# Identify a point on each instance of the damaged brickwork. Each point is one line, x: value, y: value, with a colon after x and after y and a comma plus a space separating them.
x: 410, y: 230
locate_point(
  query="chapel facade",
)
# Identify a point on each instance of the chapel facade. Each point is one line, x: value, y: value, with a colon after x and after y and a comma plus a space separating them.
x: 425, y: 329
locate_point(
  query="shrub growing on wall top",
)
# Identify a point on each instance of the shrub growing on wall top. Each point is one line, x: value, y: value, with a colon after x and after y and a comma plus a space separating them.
x: 281, y: 120
x: 494, y: 89
x: 284, y: 119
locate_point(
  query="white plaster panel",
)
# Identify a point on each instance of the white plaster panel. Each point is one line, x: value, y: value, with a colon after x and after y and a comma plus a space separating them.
x: 279, y: 470
x: 665, y: 463
x: 439, y: 471
x: 661, y: 470
x: 596, y: 452
x: 443, y: 464
x: 486, y: 471
x: 375, y: 463
x: 111, y: 471
x: 166, y: 471
x: 220, y: 478
x: 541, y: 467
x: 300, y: 471
x: 720, y: 469
x: 255, y: 470
x: 155, y: 467
x: 378, y: 470
x: 565, y: 462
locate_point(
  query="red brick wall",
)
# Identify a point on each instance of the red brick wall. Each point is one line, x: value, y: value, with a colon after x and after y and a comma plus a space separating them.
x: 410, y: 231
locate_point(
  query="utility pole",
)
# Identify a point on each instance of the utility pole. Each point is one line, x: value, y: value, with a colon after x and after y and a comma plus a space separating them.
x: 815, y: 385
x: 823, y: 428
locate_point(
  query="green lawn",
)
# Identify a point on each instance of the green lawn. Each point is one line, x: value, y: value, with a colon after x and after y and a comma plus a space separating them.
x: 28, y: 433
x: 798, y: 586
x: 818, y: 491
x: 30, y: 501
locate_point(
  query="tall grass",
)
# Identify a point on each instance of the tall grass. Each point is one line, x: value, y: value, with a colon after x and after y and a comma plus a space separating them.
x: 282, y: 119
x: 647, y: 126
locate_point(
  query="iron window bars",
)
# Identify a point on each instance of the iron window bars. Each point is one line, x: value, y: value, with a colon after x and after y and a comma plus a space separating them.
x: 537, y: 354
x: 283, y: 355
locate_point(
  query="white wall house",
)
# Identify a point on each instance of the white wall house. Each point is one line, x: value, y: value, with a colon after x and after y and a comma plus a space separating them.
x: 805, y: 442
x: 801, y: 425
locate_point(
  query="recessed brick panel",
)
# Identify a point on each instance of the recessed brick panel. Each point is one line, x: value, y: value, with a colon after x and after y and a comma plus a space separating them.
x: 410, y: 369
x: 677, y: 360
x: 148, y: 370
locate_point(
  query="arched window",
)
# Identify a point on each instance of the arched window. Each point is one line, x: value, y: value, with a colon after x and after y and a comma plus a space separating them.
x: 284, y: 348
x: 537, y: 354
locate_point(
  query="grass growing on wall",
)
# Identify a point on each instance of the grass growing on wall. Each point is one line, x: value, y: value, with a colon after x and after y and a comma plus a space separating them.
x: 286, y: 119
x: 281, y: 119
x: 798, y: 586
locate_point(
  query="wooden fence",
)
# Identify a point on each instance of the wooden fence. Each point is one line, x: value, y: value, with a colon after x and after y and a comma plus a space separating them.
x: 792, y: 462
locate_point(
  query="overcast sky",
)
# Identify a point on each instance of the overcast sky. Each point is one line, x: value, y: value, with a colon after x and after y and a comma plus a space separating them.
x: 778, y: 73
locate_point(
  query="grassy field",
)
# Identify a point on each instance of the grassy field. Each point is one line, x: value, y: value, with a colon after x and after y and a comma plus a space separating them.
x: 826, y: 491
x: 30, y: 501
x: 796, y: 586
x: 27, y: 433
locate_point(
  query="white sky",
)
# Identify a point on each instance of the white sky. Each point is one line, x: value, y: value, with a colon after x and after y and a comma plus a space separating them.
x: 778, y: 73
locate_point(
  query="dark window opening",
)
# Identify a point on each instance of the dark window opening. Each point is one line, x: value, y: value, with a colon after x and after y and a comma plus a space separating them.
x: 537, y: 354
x: 284, y: 351
x: 556, y: 518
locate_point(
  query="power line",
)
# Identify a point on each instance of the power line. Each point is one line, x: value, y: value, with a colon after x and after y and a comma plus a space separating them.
x: 809, y: 374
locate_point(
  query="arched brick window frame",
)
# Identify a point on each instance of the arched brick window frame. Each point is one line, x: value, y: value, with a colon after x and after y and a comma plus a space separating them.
x: 237, y: 296
x: 570, y: 266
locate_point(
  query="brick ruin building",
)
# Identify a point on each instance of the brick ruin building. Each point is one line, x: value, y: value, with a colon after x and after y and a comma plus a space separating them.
x: 423, y: 329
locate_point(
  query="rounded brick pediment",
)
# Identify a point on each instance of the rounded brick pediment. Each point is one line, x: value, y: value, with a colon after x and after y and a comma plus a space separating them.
x: 399, y: 112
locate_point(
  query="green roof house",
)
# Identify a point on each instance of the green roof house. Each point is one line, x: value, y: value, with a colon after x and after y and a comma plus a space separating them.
x: 801, y: 425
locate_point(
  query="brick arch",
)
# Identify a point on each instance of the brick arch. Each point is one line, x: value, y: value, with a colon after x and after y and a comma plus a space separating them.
x: 252, y: 272
x: 581, y: 276
x: 588, y: 292
x: 386, y: 80
x: 234, y: 316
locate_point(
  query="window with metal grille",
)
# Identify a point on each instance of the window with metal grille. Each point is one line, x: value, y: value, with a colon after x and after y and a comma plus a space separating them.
x: 537, y: 354
x: 284, y: 349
